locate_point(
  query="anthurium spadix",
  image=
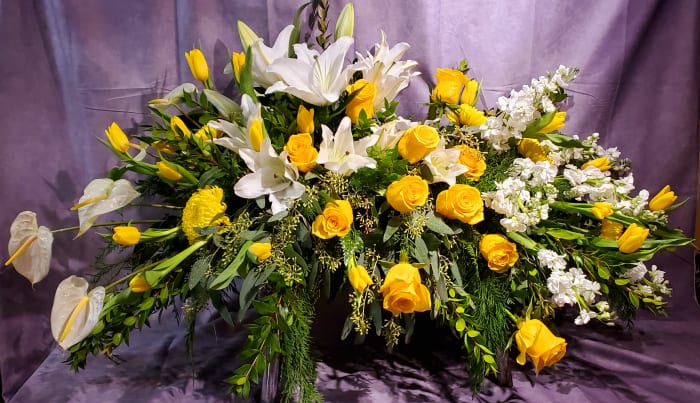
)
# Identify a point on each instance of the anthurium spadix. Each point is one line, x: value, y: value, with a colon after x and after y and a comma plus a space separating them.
x: 272, y: 175
x: 102, y: 196
x: 29, y: 247
x: 263, y: 55
x: 318, y: 79
x: 340, y: 154
x: 75, y: 311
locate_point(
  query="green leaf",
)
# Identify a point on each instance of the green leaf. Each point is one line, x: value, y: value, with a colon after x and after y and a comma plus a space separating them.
x: 420, y: 250
x: 622, y: 281
x: 347, y: 328
x: 130, y: 321
x: 634, y: 299
x: 603, y: 272
x: 199, y: 268
x: 410, y: 324
x: 489, y: 359
x: 435, y: 224
x: 460, y: 325
x: 564, y: 234
x: 473, y: 333
x: 225, y: 105
x: 157, y: 273
x: 391, y: 227
x: 225, y: 277
x: 376, y: 312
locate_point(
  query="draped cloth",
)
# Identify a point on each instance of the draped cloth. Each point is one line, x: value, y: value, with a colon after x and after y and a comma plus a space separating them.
x: 71, y: 67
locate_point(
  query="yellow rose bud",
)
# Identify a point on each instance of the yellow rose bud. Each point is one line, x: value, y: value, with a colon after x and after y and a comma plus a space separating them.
x: 126, y: 235
x: 363, y: 100
x: 403, y: 291
x: 359, y: 278
x: 305, y: 120
x: 336, y: 220
x: 261, y: 250
x: 301, y: 152
x: 535, y: 340
x: 198, y: 64
x: 466, y: 115
x: 556, y: 123
x: 179, y: 127
x: 602, y: 210
x: 139, y: 283
x: 256, y: 133
x: 417, y: 142
x: 237, y: 61
x: 601, y: 163
x: 168, y: 172
x: 611, y: 229
x: 473, y: 160
x: 632, y: 239
x: 453, y: 87
x: 117, y: 138
x: 407, y: 193
x: 461, y: 202
x: 531, y: 148
x: 500, y: 253
x: 663, y: 200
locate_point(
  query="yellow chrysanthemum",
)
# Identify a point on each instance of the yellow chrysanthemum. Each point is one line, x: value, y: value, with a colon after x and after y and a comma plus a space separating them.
x: 201, y: 211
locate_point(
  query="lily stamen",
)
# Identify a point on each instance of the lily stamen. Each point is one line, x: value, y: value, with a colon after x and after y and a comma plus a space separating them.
x: 21, y: 249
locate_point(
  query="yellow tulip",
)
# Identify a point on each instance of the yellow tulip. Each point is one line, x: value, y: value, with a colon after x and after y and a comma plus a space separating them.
x: 611, y: 229
x: 139, y: 283
x: 632, y: 239
x: 602, y: 163
x: 359, y: 278
x: 305, y: 120
x: 126, y: 235
x: 556, y: 123
x: 261, y: 250
x: 256, y: 133
x: 168, y: 172
x: 602, y: 210
x: 237, y: 61
x: 198, y: 64
x: 535, y: 340
x: 179, y: 127
x: 117, y: 138
x: 663, y: 200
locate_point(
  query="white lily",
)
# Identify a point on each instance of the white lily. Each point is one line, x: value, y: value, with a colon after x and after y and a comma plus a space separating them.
x: 340, y: 154
x: 444, y: 164
x: 249, y: 137
x: 29, y: 247
x: 384, y: 69
x: 75, y: 312
x: 390, y: 132
x: 102, y: 196
x: 318, y: 79
x: 263, y: 56
x: 271, y: 175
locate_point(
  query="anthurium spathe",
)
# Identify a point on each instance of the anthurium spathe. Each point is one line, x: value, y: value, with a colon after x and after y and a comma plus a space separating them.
x: 316, y: 78
x: 29, y: 247
x: 102, y: 196
x: 263, y: 56
x: 271, y: 175
x: 340, y: 154
x: 75, y: 311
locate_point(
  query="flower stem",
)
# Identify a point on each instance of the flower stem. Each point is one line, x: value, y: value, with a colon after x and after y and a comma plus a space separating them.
x: 133, y: 273
x: 105, y: 224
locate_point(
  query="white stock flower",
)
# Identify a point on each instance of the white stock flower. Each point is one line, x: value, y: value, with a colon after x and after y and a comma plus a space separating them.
x: 102, y: 196
x: 29, y: 247
x: 636, y: 273
x: 551, y: 259
x: 340, y: 154
x: 444, y: 164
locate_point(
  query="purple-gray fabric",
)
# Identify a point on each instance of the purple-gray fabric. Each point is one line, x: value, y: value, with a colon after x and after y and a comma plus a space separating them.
x: 69, y: 68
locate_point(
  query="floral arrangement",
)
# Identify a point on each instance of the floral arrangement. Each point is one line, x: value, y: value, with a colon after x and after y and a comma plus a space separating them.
x: 484, y: 220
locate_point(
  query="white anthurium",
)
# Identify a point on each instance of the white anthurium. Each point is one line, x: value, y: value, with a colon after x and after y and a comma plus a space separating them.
x: 340, y: 154
x: 390, y: 132
x: 384, y: 69
x: 444, y: 164
x: 29, y: 247
x: 272, y: 175
x: 102, y: 196
x: 263, y: 56
x: 318, y: 79
x: 239, y: 137
x: 75, y: 311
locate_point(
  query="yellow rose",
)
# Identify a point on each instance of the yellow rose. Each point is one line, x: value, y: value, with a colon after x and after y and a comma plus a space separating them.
x: 453, y: 87
x: 601, y: 163
x: 537, y: 341
x: 237, y: 62
x: 556, y: 123
x: 261, y: 250
x: 359, y: 278
x: 305, y: 120
x: 500, y: 253
x: 301, y: 152
x: 632, y: 239
x: 407, y: 193
x: 363, y: 100
x: 117, y: 138
x: 417, y: 142
x: 168, y: 172
x: 336, y: 220
x: 601, y: 210
x: 198, y: 64
x: 139, y: 283
x: 473, y: 160
x: 611, y: 229
x: 531, y: 148
x: 179, y: 127
x: 403, y: 291
x: 126, y: 235
x: 461, y: 202
x: 466, y: 115
x: 663, y: 200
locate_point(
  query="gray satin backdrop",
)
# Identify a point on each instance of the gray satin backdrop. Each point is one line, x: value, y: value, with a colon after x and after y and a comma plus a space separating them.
x: 70, y: 68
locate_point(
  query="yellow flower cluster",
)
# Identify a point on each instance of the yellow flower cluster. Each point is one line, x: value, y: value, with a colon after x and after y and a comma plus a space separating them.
x: 205, y: 208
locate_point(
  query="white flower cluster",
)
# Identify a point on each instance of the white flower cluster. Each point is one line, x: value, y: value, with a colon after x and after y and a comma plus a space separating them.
x: 524, y: 197
x: 523, y: 107
x: 648, y: 283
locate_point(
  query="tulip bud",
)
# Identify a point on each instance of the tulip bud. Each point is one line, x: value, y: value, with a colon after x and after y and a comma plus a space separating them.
x: 198, y: 64
x: 555, y: 124
x: 663, y: 200
x: 168, y: 172
x: 305, y: 120
x: 237, y: 61
x: 248, y: 37
x: 117, y: 138
x: 632, y: 239
x: 602, y: 210
x: 601, y: 163
x: 179, y: 127
x: 261, y: 250
x: 139, y: 283
x: 126, y: 235
x: 346, y: 22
